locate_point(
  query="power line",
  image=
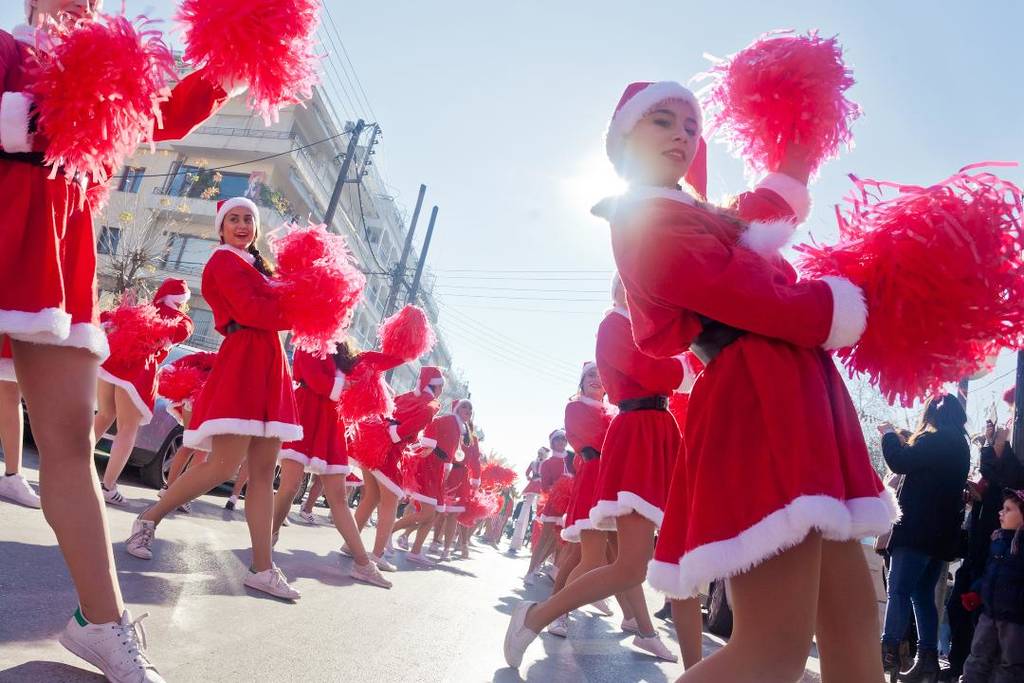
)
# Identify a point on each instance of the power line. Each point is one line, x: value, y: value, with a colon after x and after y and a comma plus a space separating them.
x: 518, y: 270
x: 331, y: 54
x: 522, y: 289
x: 993, y: 381
x: 355, y: 73
x: 506, y: 345
x: 530, y: 367
x: 513, y: 309
x: 362, y: 219
x: 524, y: 298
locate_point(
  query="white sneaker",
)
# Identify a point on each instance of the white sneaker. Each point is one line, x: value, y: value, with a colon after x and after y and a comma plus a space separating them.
x: 307, y: 517
x: 518, y: 637
x: 114, y: 497
x: 140, y: 543
x: 160, y: 493
x: 629, y: 626
x: 403, y: 542
x: 16, y: 488
x: 560, y: 627
x: 383, y: 564
x: 369, y: 573
x: 420, y: 559
x: 434, y: 548
x: 118, y: 648
x: 528, y: 580
x: 389, y: 550
x: 272, y: 582
x: 602, y: 608
x: 653, y: 645
x: 445, y: 556
x: 345, y: 550
x: 186, y: 508
x: 286, y: 522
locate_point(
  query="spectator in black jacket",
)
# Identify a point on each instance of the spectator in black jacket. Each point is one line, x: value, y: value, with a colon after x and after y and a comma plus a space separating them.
x: 935, y: 461
x: 997, y: 652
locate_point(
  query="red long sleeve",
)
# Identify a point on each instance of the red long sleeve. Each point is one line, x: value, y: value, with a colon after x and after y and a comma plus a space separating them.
x: 317, y: 374
x: 413, y: 413
x: 193, y: 100
x: 238, y: 292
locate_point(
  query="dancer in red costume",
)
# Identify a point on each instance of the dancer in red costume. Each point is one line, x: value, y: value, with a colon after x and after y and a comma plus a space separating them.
x: 48, y: 310
x: 552, y: 515
x: 13, y: 485
x: 247, y: 408
x: 463, y: 478
x: 323, y: 451
x: 127, y: 389
x: 425, y: 472
x: 414, y: 410
x: 800, y: 466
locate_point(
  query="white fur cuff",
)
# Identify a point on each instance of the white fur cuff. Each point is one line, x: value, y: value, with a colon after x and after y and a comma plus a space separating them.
x: 393, y: 431
x: 849, y: 313
x: 689, y: 375
x: 428, y: 443
x: 14, y: 115
x: 767, y: 237
x: 792, y: 191
x: 339, y: 384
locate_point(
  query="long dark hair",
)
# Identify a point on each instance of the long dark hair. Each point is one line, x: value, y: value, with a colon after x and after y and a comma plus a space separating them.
x: 942, y: 413
x: 346, y: 356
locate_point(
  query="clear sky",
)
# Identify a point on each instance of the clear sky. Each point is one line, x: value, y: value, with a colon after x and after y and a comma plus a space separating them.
x: 500, y: 109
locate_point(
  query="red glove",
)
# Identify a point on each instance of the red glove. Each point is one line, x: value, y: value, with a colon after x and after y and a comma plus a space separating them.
x: 971, y: 601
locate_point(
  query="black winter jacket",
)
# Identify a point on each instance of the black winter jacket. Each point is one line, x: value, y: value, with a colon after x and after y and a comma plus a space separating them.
x: 931, y: 495
x: 1002, y: 586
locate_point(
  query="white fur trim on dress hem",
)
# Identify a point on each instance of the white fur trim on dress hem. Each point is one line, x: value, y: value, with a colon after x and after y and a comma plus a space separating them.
x: 571, y: 533
x: 604, y: 512
x: 837, y: 520
x: 15, y: 108
x: 426, y: 500
x: 454, y: 508
x: 767, y: 237
x: 792, y: 191
x: 80, y: 335
x: 386, y: 482
x: 849, y: 313
x: 7, y: 370
x: 551, y: 519
x: 202, y: 437
x: 133, y: 394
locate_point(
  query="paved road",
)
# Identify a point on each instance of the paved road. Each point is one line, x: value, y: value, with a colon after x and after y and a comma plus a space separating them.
x: 438, y: 625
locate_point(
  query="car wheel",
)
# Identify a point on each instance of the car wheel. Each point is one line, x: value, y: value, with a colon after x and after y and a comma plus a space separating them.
x: 154, y: 473
x: 719, y: 616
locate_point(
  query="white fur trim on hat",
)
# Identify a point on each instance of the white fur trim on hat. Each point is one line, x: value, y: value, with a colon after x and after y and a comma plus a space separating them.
x: 587, y: 367
x: 176, y: 299
x: 626, y: 118
x: 849, y: 313
x: 792, y: 191
x: 234, y: 203
x: 767, y: 237
x: 15, y: 108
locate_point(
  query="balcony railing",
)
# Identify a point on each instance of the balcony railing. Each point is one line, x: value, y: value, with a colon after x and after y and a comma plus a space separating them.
x: 245, y: 132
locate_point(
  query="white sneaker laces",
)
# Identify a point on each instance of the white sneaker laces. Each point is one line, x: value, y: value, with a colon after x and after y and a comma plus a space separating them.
x: 133, y: 637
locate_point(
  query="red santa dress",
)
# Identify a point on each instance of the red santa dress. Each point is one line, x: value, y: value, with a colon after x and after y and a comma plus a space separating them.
x: 586, y: 423
x: 48, y: 263
x: 138, y: 378
x: 769, y: 423
x: 249, y: 391
x: 413, y: 412
x: 464, y: 477
x: 533, y: 477
x: 425, y: 475
x: 642, y: 442
x: 552, y: 471
x: 322, y: 449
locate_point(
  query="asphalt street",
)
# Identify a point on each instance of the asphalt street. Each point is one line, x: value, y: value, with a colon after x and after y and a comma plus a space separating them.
x: 439, y: 625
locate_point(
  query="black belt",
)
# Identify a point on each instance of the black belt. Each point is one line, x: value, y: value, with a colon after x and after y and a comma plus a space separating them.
x: 589, y: 453
x: 714, y: 337
x: 34, y: 158
x: 233, y: 327
x: 646, y: 403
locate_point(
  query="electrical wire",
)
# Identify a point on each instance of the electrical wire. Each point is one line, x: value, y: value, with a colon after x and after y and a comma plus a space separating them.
x: 524, y: 298
x: 334, y: 26
x: 524, y: 365
x: 506, y: 344
x: 521, y: 289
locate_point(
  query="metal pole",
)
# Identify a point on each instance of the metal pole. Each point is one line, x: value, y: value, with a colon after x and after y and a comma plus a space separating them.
x: 400, y: 266
x: 1018, y: 406
x: 411, y: 299
x: 353, y: 140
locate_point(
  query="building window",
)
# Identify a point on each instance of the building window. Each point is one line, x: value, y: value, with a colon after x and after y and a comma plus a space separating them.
x: 131, y: 178
x: 108, y: 241
x: 200, y: 183
x: 187, y: 253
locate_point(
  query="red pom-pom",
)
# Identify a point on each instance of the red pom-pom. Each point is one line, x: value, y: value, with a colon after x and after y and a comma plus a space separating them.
x: 496, y: 477
x: 135, y: 331
x: 407, y: 334
x: 557, y: 499
x: 783, y: 88
x: 1010, y: 396
x: 942, y: 272
x: 98, y: 93
x: 479, y: 505
x: 184, y: 378
x: 266, y: 44
x: 365, y: 394
x: 370, y: 443
x: 318, y: 286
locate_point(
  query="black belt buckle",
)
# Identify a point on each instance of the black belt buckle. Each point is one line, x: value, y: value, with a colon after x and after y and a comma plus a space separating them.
x: 714, y: 337
x: 233, y: 327
x: 646, y: 403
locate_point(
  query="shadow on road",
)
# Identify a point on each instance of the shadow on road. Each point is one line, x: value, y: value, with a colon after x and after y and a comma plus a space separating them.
x: 51, y: 672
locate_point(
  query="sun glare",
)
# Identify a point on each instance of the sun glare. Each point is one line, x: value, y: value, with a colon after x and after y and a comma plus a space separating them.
x: 593, y: 180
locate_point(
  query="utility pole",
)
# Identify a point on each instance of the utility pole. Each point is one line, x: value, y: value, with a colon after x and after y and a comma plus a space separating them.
x: 399, y: 273
x: 1018, y: 406
x: 374, y: 137
x: 353, y: 141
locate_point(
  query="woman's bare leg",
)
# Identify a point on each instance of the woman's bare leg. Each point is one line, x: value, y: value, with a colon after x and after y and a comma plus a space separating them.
x: 423, y: 529
x: 12, y: 426
x: 689, y: 625
x: 315, y: 489
x: 106, y: 409
x: 570, y: 560
x: 344, y: 522
x: 291, y: 479
x: 59, y: 384
x: 369, y: 500
x: 128, y: 420
x: 259, y: 500
x: 386, y: 510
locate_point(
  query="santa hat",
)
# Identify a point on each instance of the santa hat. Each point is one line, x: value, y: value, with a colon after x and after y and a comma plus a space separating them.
x: 429, y: 376
x: 587, y: 367
x: 638, y: 99
x: 97, y: 6
x: 225, y: 205
x: 558, y: 433
x: 174, y: 292
x: 461, y: 402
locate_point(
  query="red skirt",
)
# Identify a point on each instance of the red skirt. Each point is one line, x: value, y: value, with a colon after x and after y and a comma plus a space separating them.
x: 48, y: 261
x: 457, y: 489
x: 577, y: 517
x: 138, y: 382
x: 389, y: 474
x: 555, y: 507
x: 322, y: 449
x: 795, y: 461
x: 424, y: 480
x: 636, y: 465
x: 248, y: 393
